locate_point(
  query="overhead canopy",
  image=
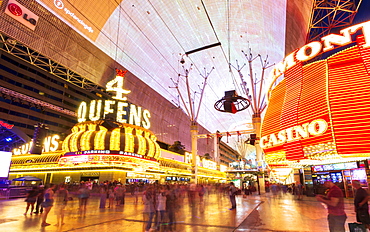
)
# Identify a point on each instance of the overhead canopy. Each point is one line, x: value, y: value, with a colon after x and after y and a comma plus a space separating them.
x: 27, y: 178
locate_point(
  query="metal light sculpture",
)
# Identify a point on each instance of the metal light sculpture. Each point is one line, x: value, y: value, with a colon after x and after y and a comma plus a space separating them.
x: 190, y: 110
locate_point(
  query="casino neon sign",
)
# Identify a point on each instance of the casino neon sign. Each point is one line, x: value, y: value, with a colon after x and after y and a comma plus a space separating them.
x: 314, y: 128
x: 311, y: 50
x: 121, y: 110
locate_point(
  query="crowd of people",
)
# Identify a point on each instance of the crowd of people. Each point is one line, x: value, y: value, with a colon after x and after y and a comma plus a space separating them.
x: 161, y: 202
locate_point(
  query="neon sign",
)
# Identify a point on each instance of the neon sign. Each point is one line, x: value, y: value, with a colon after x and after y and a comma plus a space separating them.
x: 311, y: 50
x: 314, y: 128
x: 51, y: 144
x: 6, y: 125
x: 122, y: 111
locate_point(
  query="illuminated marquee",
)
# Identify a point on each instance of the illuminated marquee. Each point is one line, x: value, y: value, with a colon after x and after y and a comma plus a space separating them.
x: 311, y: 50
x: 314, y: 128
x: 123, y: 111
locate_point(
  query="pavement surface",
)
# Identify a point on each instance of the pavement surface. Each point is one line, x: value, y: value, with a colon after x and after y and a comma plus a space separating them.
x: 257, y: 213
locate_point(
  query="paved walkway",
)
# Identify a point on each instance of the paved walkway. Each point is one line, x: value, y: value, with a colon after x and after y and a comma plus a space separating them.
x: 255, y: 213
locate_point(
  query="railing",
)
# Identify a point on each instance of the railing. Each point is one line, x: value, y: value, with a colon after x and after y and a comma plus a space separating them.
x: 13, y: 192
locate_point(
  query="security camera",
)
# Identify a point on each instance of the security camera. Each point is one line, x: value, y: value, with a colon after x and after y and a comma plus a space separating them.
x: 182, y: 61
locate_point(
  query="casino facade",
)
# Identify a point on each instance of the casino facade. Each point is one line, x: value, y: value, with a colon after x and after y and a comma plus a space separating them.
x: 318, y: 111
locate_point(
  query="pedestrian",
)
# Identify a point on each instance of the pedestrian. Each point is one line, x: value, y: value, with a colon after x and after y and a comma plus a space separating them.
x: 136, y: 193
x: 111, y: 197
x: 103, y: 195
x: 40, y: 199
x: 60, y: 203
x: 361, y: 204
x: 201, y: 191
x: 160, y: 207
x: 299, y: 190
x: 31, y: 199
x: 335, y: 206
x: 192, y: 194
x: 171, y: 207
x: 149, y: 207
x: 232, y: 193
x: 47, y: 204
x: 118, y: 192
x: 83, y: 196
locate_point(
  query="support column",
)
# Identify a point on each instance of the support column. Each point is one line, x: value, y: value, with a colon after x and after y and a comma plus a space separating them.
x: 256, y: 120
x: 216, y: 148
x: 194, y: 150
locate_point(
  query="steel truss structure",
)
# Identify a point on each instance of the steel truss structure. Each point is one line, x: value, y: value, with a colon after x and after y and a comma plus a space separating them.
x: 23, y: 52
x: 327, y: 15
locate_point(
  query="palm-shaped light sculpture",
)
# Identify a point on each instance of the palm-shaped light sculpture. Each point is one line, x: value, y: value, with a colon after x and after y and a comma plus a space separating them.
x: 191, y: 109
x: 256, y: 96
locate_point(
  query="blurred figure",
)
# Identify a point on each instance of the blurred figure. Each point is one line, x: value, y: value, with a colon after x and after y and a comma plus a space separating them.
x: 31, y: 199
x: 83, y: 196
x: 361, y: 204
x: 119, y: 193
x: 47, y: 204
x: 335, y: 205
x: 298, y: 190
x: 40, y: 199
x: 232, y: 193
x: 103, y: 195
x: 111, y: 197
x: 149, y: 207
x: 274, y: 189
x: 192, y: 193
x: 171, y: 207
x: 201, y: 191
x: 136, y: 193
x: 160, y: 207
x: 61, y: 199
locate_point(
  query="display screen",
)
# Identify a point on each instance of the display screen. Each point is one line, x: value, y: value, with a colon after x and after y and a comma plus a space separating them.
x: 351, y: 165
x: 318, y: 168
x: 328, y: 167
x: 360, y: 175
x: 339, y: 166
x: 5, y: 159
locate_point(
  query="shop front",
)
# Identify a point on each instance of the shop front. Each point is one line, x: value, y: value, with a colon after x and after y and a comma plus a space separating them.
x: 341, y: 174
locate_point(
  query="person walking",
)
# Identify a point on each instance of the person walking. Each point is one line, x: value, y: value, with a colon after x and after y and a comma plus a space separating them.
x: 40, y: 199
x: 160, y: 207
x: 232, y: 194
x: 335, y: 205
x: 103, y: 195
x: 83, y: 196
x: 361, y: 204
x: 136, y: 193
x: 299, y: 190
x: 61, y: 199
x: 149, y: 206
x: 47, y: 204
x: 31, y: 199
x: 118, y: 191
x: 171, y: 207
x: 111, y: 197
